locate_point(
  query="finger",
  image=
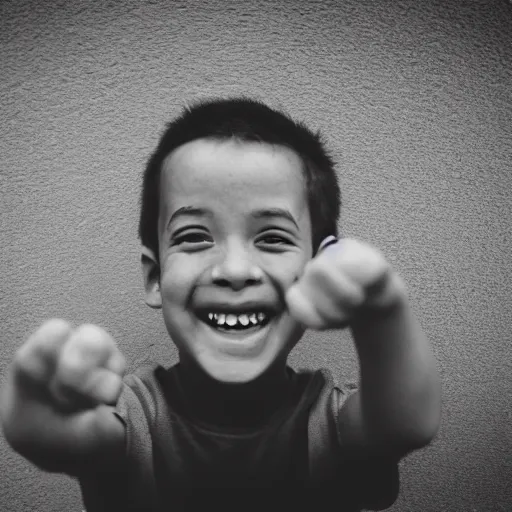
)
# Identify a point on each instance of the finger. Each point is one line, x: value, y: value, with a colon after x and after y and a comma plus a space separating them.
x: 77, y: 378
x: 102, y: 386
x: 333, y: 292
x: 364, y: 263
x: 324, y: 314
x: 116, y: 362
x: 302, y: 309
x: 36, y: 361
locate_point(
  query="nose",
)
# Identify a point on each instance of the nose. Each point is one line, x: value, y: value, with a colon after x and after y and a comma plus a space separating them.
x: 237, y: 269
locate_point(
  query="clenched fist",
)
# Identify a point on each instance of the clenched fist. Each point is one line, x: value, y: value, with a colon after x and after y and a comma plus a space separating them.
x: 339, y: 282
x: 75, y: 369
x: 57, y: 402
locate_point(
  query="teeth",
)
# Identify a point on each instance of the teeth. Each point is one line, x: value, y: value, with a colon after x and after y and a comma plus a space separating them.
x: 243, y: 319
x: 231, y: 320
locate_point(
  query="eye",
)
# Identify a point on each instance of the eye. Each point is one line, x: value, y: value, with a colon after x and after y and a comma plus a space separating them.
x: 192, y: 239
x: 274, y: 241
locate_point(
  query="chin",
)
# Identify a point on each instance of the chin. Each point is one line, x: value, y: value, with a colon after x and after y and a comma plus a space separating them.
x: 235, y: 372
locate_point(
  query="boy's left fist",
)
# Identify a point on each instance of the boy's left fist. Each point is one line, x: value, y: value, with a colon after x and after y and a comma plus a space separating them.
x: 344, y: 279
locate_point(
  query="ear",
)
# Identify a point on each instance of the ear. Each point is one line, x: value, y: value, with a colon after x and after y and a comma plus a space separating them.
x: 151, y: 273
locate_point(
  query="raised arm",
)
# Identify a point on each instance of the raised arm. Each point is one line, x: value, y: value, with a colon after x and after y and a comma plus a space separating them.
x: 56, y: 406
x: 397, y: 408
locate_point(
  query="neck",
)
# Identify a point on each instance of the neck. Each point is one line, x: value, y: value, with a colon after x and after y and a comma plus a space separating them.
x: 234, y: 405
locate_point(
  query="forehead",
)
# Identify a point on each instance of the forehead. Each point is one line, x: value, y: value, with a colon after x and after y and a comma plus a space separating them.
x: 233, y: 171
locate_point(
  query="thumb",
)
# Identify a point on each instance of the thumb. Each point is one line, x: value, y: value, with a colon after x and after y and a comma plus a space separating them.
x: 89, y: 370
x: 302, y: 309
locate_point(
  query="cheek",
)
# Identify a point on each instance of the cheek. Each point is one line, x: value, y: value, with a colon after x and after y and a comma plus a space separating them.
x: 284, y: 271
x: 176, y: 281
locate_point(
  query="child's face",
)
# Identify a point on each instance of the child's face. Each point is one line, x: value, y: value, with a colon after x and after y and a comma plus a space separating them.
x: 234, y: 233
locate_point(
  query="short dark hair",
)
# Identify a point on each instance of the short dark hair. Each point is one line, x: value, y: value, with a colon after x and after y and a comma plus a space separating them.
x: 247, y: 120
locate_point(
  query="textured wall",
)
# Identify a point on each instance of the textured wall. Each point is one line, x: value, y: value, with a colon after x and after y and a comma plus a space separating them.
x: 415, y: 101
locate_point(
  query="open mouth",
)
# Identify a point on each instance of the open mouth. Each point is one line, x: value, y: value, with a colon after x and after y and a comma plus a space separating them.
x: 247, y: 321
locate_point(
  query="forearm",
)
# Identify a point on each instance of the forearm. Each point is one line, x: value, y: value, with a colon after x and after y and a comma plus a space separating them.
x: 399, y: 388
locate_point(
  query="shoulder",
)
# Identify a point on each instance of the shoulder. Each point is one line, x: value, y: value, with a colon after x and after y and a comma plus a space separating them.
x: 332, y: 459
x: 323, y: 440
x: 141, y: 398
x: 329, y: 397
x: 134, y: 482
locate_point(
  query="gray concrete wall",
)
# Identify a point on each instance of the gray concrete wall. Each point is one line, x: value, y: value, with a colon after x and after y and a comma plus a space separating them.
x: 415, y: 101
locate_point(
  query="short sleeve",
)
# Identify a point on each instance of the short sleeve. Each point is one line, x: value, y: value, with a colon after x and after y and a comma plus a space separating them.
x: 135, y: 408
x: 374, y: 477
x: 131, y: 487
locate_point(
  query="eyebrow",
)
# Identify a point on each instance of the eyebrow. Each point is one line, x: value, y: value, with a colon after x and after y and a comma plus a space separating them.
x: 274, y: 212
x: 190, y: 211
x: 265, y: 213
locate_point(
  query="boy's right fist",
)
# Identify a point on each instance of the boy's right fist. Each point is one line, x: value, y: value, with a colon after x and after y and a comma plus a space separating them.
x: 56, y: 407
x: 76, y: 369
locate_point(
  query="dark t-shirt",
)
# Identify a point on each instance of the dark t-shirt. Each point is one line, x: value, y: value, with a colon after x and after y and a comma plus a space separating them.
x: 294, y: 460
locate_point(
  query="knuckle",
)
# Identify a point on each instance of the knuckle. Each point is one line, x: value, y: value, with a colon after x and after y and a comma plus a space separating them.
x: 91, y: 341
x: 89, y: 348
x: 56, y: 325
x: 92, y: 333
x: 50, y: 333
x: 69, y: 377
x: 117, y: 362
x: 71, y: 360
x: 24, y: 360
x: 73, y: 370
x: 105, y: 386
x: 42, y: 346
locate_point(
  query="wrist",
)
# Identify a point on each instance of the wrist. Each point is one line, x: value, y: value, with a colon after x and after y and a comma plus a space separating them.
x: 381, y: 320
x: 386, y: 301
x: 386, y: 295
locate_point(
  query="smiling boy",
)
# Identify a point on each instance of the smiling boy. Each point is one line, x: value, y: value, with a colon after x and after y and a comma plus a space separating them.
x: 236, y: 201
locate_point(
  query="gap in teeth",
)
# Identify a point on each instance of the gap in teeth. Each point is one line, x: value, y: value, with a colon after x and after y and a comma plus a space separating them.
x: 231, y: 320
